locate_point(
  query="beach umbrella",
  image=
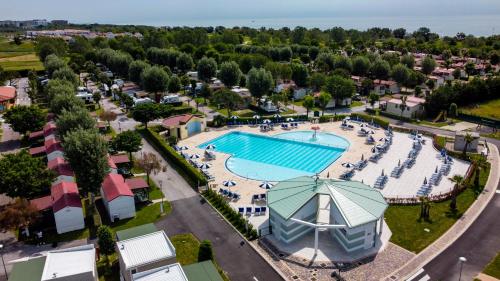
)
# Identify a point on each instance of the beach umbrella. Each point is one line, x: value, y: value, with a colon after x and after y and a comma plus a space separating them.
x: 228, y: 183
x: 436, y: 170
x: 425, y: 180
x: 399, y: 162
x: 234, y: 117
x: 362, y: 125
x: 384, y: 139
x: 194, y: 156
x: 362, y: 157
x: 266, y: 185
x: 370, y: 138
x: 371, y: 132
x: 184, y: 147
x: 374, y: 149
x: 210, y: 146
x: 347, y: 118
x: 347, y: 165
x: 277, y: 116
x: 289, y: 119
x: 362, y: 181
x: 266, y: 121
x: 256, y: 117
x: 204, y: 166
x: 445, y: 161
x: 382, y: 173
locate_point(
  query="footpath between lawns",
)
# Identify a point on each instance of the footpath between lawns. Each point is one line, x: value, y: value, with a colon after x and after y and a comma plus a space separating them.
x: 458, y: 228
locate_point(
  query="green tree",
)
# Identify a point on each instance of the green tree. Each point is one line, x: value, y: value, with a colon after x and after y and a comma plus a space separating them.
x: 23, y: 119
x: 230, y: 74
x: 66, y: 73
x: 308, y: 103
x: 72, y: 119
x: 205, y: 92
x: 184, y: 62
x: 428, y: 65
x: 230, y: 100
x: 400, y: 73
x: 317, y: 81
x: 96, y: 96
x: 456, y: 73
x: 323, y: 100
x: 470, y: 68
x: 339, y: 88
x: 300, y: 74
x: 154, y: 80
x: 408, y: 61
x: 174, y: 84
x: 87, y: 153
x: 259, y: 82
x: 480, y: 164
x: 207, y: 68
x: 373, y: 98
x: 343, y: 62
x: 403, y: 106
x: 56, y: 87
x: 380, y: 69
x: 205, y: 252
x: 105, y: 241
x: 108, y: 116
x: 53, y: 63
x: 129, y: 141
x: 135, y: 70
x: 458, y: 180
x: 65, y: 101
x: 360, y: 66
x: 145, y: 113
x: 24, y: 176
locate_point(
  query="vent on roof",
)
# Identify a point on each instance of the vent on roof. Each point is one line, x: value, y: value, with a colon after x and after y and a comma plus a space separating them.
x: 54, y: 275
x: 167, y: 270
x: 122, y: 247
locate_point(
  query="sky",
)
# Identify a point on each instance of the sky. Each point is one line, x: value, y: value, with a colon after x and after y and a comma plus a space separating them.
x: 271, y: 13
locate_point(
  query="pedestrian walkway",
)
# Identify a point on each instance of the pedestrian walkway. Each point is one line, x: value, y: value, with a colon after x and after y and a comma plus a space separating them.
x: 459, y: 227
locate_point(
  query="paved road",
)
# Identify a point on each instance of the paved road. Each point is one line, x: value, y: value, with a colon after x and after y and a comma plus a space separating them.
x: 479, y: 244
x: 240, y: 261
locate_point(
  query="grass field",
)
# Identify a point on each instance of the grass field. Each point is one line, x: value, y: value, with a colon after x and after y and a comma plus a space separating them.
x: 409, y: 232
x: 493, y: 268
x: 143, y: 215
x: 489, y: 109
x: 18, y: 57
x: 186, y: 248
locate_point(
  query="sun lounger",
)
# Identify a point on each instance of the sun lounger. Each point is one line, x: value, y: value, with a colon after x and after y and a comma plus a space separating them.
x: 248, y: 211
x: 347, y: 175
x: 221, y: 191
x: 263, y: 210
x: 236, y: 196
x: 360, y: 165
x: 262, y: 197
x: 257, y: 211
x: 255, y: 198
x: 241, y: 210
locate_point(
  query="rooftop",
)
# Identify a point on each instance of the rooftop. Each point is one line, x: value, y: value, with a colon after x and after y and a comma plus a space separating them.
x: 65, y: 194
x: 136, y: 231
x: 171, y: 272
x: 69, y: 262
x: 145, y: 249
x: 358, y: 203
x: 120, y: 159
x: 177, y: 120
x: 7, y: 93
x: 114, y: 185
x: 27, y: 270
x: 202, y: 271
x: 136, y: 183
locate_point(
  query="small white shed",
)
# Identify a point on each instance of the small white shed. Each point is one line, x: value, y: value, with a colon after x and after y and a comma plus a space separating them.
x: 117, y: 197
x: 67, y: 207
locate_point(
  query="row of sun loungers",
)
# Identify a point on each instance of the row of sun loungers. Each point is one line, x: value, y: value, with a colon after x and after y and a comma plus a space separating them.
x: 375, y: 157
x: 288, y: 126
x: 435, y: 178
x: 380, y: 182
x: 424, y: 190
x: 257, y: 211
x: 360, y: 165
x: 208, y: 175
x: 409, y: 162
x: 347, y: 174
x: 397, y: 171
x: 258, y: 197
x: 229, y: 194
x: 345, y: 126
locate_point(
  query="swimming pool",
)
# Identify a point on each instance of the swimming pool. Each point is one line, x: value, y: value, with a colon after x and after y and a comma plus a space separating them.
x: 280, y: 157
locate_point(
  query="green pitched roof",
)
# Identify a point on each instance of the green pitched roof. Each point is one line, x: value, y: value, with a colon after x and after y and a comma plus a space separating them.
x: 135, y: 231
x: 29, y: 270
x: 202, y: 271
x: 358, y: 203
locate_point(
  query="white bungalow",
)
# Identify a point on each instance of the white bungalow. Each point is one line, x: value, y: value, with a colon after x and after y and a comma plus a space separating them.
x: 413, y: 109
x: 382, y: 87
x: 67, y: 207
x: 351, y: 211
x: 117, y: 197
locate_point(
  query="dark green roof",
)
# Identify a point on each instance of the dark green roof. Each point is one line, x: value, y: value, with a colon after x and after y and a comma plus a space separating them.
x: 202, y: 271
x: 30, y: 270
x: 135, y: 231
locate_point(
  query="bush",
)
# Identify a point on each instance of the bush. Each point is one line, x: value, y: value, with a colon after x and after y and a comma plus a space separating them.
x: 181, y: 110
x: 205, y: 253
x: 327, y: 118
x: 369, y: 118
x: 239, y: 222
x: 190, y: 173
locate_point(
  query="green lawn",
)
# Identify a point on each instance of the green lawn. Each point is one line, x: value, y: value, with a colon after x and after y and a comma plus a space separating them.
x: 105, y: 272
x: 146, y: 214
x: 409, y: 232
x: 489, y: 109
x: 356, y: 103
x: 493, y: 268
x: 18, y: 57
x: 154, y: 190
x: 186, y: 248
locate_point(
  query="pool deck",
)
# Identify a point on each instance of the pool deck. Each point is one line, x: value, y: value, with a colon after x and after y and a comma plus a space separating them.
x: 404, y: 187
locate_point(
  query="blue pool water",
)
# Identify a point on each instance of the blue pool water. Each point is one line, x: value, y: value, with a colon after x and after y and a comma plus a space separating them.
x: 280, y: 157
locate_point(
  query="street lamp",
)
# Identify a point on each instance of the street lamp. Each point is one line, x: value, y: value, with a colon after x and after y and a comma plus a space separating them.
x: 462, y: 260
x: 3, y: 262
x: 119, y: 126
x: 161, y: 190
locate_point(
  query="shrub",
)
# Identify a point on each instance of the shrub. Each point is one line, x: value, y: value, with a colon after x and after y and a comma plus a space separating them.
x: 205, y: 253
x: 369, y: 118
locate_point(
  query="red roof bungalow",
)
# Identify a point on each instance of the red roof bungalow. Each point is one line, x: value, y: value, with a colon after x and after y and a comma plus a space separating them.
x: 382, y: 87
x: 49, y: 128
x: 117, y: 197
x: 7, y: 97
x: 120, y: 159
x: 62, y: 169
x: 112, y: 165
x: 66, y: 205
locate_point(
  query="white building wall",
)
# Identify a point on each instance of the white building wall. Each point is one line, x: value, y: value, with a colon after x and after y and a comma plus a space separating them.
x: 288, y: 230
x: 69, y: 219
x: 122, y: 207
x: 409, y: 112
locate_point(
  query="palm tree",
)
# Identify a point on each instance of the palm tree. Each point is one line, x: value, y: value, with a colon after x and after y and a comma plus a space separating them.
x: 468, y: 138
x: 458, y: 180
x: 308, y: 103
x: 402, y: 106
x: 480, y: 164
x: 425, y: 206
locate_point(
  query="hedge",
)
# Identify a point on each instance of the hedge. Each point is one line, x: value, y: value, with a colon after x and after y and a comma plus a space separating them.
x: 250, y: 120
x: 327, y: 118
x: 181, y: 110
x: 236, y: 219
x: 192, y: 175
x: 369, y: 118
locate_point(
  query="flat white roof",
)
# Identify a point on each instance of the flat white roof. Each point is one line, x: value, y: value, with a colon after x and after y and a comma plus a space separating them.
x: 69, y: 262
x: 171, y: 272
x: 145, y: 249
